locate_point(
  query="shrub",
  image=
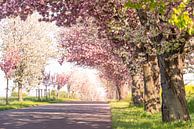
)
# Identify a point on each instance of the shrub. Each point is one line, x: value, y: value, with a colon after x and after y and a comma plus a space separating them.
x: 14, y: 94
x: 189, y: 89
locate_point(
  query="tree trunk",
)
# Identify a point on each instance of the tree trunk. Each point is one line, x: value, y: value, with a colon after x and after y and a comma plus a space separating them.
x: 57, y: 92
x: 118, y: 93
x: 20, y: 97
x: 124, y: 89
x: 7, y: 90
x: 137, y: 89
x: 151, y: 85
x: 38, y: 94
x: 68, y: 91
x: 174, y: 106
x: 46, y: 92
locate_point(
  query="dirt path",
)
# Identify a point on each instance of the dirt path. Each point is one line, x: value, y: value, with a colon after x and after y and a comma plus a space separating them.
x: 70, y: 115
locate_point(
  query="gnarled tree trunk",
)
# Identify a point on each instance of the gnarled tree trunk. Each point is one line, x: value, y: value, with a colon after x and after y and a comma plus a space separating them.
x: 174, y: 106
x: 151, y: 85
x: 137, y: 89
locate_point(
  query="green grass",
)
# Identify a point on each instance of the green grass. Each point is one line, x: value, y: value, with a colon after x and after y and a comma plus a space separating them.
x: 125, y: 116
x: 17, y: 105
x: 50, y: 100
x: 28, y: 102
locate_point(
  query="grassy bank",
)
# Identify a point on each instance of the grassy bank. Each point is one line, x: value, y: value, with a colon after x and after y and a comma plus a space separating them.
x: 126, y: 116
x: 28, y: 102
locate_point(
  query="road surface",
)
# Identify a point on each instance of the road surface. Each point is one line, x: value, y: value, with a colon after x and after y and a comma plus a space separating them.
x: 68, y: 115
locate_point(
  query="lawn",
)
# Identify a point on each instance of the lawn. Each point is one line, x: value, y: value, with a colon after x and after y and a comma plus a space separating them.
x: 127, y: 116
x: 29, y: 102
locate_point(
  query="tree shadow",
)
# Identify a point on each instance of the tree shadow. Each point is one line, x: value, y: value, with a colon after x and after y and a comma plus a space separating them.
x: 134, y: 125
x: 71, y: 115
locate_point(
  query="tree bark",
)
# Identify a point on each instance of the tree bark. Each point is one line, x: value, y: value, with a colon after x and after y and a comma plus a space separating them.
x: 68, y: 91
x: 38, y: 94
x: 20, y: 97
x: 124, y: 89
x: 57, y: 92
x: 118, y: 93
x: 174, y: 105
x: 7, y: 90
x: 46, y: 91
x: 137, y: 89
x: 151, y: 85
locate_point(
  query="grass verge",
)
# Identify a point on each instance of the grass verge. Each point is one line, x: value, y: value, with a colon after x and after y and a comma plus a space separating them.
x: 29, y: 102
x: 125, y: 116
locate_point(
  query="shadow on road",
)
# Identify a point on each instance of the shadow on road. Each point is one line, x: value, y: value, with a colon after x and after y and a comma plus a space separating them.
x: 69, y: 115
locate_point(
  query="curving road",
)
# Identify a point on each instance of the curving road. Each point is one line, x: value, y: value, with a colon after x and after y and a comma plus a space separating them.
x: 68, y: 115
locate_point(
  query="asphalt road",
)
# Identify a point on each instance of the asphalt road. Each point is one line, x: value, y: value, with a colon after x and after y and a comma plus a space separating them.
x: 69, y: 115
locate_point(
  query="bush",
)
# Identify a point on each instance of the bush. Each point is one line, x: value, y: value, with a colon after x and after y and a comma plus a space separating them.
x: 14, y: 94
x: 53, y: 93
x: 63, y: 94
x: 189, y: 89
x: 128, y: 98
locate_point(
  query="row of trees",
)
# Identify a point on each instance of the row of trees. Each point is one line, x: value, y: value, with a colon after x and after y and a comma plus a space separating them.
x: 161, y: 47
x: 81, y: 82
x: 151, y: 38
x: 83, y: 46
x: 23, y: 59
